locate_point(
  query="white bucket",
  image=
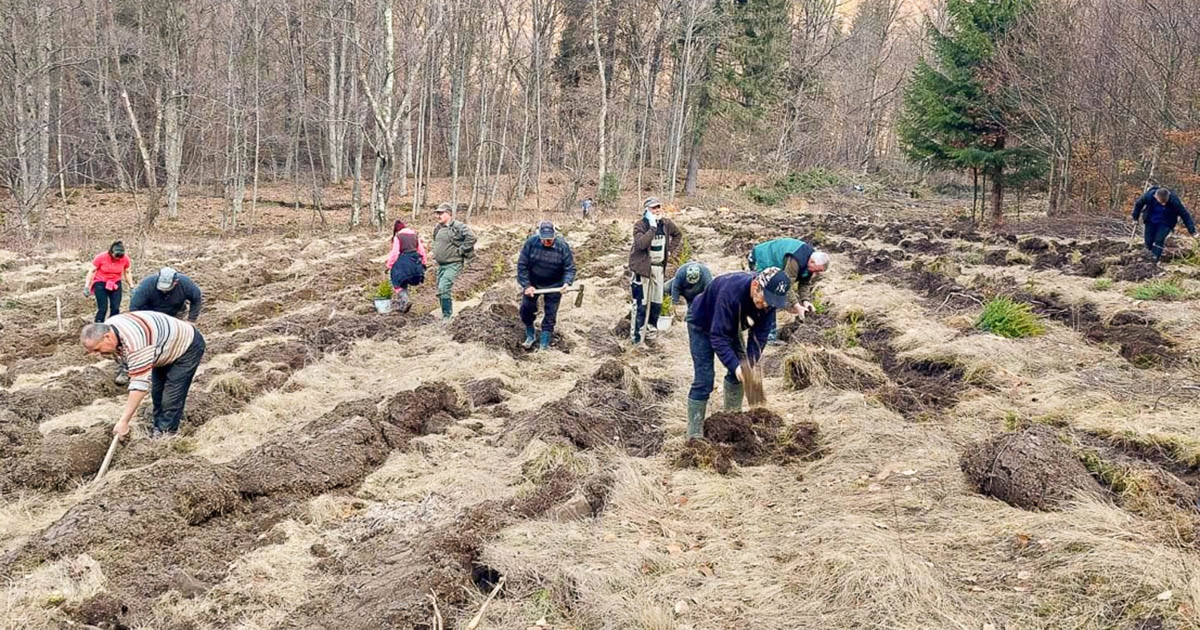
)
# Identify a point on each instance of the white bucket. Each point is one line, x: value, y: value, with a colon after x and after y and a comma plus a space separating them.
x: 664, y: 322
x: 383, y: 305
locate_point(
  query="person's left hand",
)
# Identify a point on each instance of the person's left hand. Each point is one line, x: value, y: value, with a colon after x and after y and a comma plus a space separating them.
x: 808, y: 306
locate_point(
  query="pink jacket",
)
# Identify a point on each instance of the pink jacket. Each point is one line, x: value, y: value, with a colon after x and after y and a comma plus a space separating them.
x: 395, y: 253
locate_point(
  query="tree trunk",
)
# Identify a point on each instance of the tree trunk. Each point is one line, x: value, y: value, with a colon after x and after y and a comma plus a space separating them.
x: 996, y: 174
x: 602, y: 122
x: 173, y: 143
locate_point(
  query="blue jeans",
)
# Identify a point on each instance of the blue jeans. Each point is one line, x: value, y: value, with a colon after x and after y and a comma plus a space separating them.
x: 529, y: 310
x: 1156, y: 237
x: 169, y: 385
x: 703, y: 364
x: 107, y: 302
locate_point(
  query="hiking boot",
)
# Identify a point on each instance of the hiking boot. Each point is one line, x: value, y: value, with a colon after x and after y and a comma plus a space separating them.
x: 544, y: 342
x: 733, y: 396
x: 696, y: 410
x: 530, y: 339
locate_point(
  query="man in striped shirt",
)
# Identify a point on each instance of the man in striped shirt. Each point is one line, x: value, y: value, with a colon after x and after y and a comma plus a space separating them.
x: 161, y: 353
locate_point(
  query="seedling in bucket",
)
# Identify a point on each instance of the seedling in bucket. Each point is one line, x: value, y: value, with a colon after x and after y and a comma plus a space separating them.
x: 383, y: 297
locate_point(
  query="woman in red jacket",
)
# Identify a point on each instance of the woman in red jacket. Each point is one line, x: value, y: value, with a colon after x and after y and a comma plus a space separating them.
x: 109, y: 270
x: 406, y: 264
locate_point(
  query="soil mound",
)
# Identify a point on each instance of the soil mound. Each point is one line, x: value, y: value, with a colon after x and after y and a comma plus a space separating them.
x: 59, y: 460
x: 498, y: 325
x: 101, y: 611
x: 996, y: 257
x: 705, y: 455
x: 918, y: 386
x: 291, y: 354
x: 808, y: 366
x: 1138, y: 341
x: 759, y: 436
x: 487, y: 391
x: 339, y: 333
x: 594, y: 414
x: 1031, y: 469
x: 1135, y: 271
x: 62, y: 394
x: 416, y: 412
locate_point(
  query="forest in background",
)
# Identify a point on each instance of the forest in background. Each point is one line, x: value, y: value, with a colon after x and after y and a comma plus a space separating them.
x: 1084, y: 100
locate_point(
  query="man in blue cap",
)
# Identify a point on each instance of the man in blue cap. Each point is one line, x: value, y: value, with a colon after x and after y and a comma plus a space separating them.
x: 802, y: 264
x: 546, y: 262
x: 733, y: 302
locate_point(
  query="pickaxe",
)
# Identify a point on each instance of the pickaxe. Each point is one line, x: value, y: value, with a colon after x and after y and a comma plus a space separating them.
x: 577, y: 288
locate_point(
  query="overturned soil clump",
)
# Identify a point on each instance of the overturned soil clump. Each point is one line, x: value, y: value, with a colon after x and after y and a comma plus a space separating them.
x: 1138, y: 271
x: 759, y: 437
x: 62, y: 394
x: 1138, y: 341
x: 487, y: 391
x: 498, y: 325
x: 705, y: 455
x: 1031, y: 469
x: 59, y: 460
x: 917, y: 387
x: 597, y: 412
x: 824, y: 367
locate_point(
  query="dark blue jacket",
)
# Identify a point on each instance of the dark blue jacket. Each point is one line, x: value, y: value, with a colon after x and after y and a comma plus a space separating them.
x: 147, y: 297
x: 1154, y: 213
x: 545, y: 267
x: 723, y: 310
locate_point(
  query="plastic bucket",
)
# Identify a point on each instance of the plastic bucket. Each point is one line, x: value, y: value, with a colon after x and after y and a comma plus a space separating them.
x: 664, y: 322
x: 383, y: 305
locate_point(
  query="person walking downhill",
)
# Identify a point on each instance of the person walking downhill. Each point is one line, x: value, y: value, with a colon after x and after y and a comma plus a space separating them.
x: 587, y: 207
x: 655, y: 238
x: 406, y: 264
x: 733, y: 302
x: 453, y: 248
x: 546, y: 262
x: 162, y: 353
x: 803, y: 266
x: 107, y: 277
x: 1160, y: 210
x: 168, y: 292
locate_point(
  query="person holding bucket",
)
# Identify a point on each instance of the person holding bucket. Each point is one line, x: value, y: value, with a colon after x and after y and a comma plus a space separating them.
x: 406, y: 264
x: 655, y: 238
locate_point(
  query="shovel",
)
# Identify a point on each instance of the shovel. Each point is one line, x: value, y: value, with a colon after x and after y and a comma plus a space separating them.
x: 112, y: 448
x: 578, y: 297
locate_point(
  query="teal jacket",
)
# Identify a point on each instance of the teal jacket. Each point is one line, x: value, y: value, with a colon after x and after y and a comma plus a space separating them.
x: 774, y: 254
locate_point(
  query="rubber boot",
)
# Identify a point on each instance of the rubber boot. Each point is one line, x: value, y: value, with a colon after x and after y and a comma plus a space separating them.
x: 544, y: 343
x: 652, y: 323
x: 696, y: 410
x: 447, y: 308
x: 530, y: 338
x: 639, y: 317
x: 733, y: 396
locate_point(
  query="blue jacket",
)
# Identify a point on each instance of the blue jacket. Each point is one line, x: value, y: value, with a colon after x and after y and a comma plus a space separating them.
x: 680, y: 286
x: 723, y: 310
x: 545, y: 267
x: 1154, y: 213
x: 147, y: 297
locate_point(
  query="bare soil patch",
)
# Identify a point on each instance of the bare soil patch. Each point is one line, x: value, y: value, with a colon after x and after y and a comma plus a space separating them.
x: 751, y: 438
x: 497, y: 324
x: 62, y: 394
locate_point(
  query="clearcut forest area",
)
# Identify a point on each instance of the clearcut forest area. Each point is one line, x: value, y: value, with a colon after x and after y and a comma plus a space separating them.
x: 988, y: 420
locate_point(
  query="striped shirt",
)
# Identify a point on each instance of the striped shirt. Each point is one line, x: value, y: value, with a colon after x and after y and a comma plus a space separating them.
x: 147, y: 340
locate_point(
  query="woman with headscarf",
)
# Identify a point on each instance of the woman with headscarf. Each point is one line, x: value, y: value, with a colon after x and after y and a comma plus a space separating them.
x: 106, y: 278
x: 406, y: 264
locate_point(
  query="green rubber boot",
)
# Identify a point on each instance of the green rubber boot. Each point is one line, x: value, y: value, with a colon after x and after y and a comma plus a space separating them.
x: 696, y: 411
x: 447, y: 308
x: 733, y: 396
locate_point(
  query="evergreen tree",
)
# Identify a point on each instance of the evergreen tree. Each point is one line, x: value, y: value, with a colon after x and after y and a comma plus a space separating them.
x: 958, y: 114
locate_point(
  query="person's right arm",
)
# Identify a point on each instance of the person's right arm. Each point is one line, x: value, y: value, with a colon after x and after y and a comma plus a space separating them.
x: 1140, y: 205
x: 87, y: 282
x: 140, y: 300
x: 194, y: 296
x: 523, y: 267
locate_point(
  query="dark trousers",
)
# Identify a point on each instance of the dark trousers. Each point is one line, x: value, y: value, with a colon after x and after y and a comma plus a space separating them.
x: 529, y: 310
x: 1156, y: 237
x: 107, y: 302
x: 703, y: 364
x: 169, y: 386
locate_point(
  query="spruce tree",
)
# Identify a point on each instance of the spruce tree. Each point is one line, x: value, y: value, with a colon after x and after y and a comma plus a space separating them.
x: 957, y: 112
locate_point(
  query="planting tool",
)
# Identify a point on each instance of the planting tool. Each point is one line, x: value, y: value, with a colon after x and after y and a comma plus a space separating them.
x: 112, y: 448
x: 578, y: 288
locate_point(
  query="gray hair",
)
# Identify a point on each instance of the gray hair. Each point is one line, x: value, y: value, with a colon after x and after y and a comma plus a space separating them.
x: 821, y: 259
x: 93, y: 333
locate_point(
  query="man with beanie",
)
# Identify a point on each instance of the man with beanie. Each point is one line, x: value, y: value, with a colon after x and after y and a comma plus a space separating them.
x: 453, y: 247
x: 654, y: 239
x: 546, y: 262
x: 800, y: 262
x: 168, y: 292
x: 733, y: 302
x: 1160, y: 209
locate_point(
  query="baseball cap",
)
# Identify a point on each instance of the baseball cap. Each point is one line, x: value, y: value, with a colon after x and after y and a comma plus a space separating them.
x: 166, y: 277
x: 775, y: 285
x: 651, y: 202
x: 118, y: 249
x: 546, y: 230
x: 443, y: 207
x: 692, y: 273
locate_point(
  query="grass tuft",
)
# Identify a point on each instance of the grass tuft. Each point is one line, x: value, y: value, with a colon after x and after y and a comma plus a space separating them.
x: 1102, y: 284
x: 1013, y: 320
x: 1165, y: 290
